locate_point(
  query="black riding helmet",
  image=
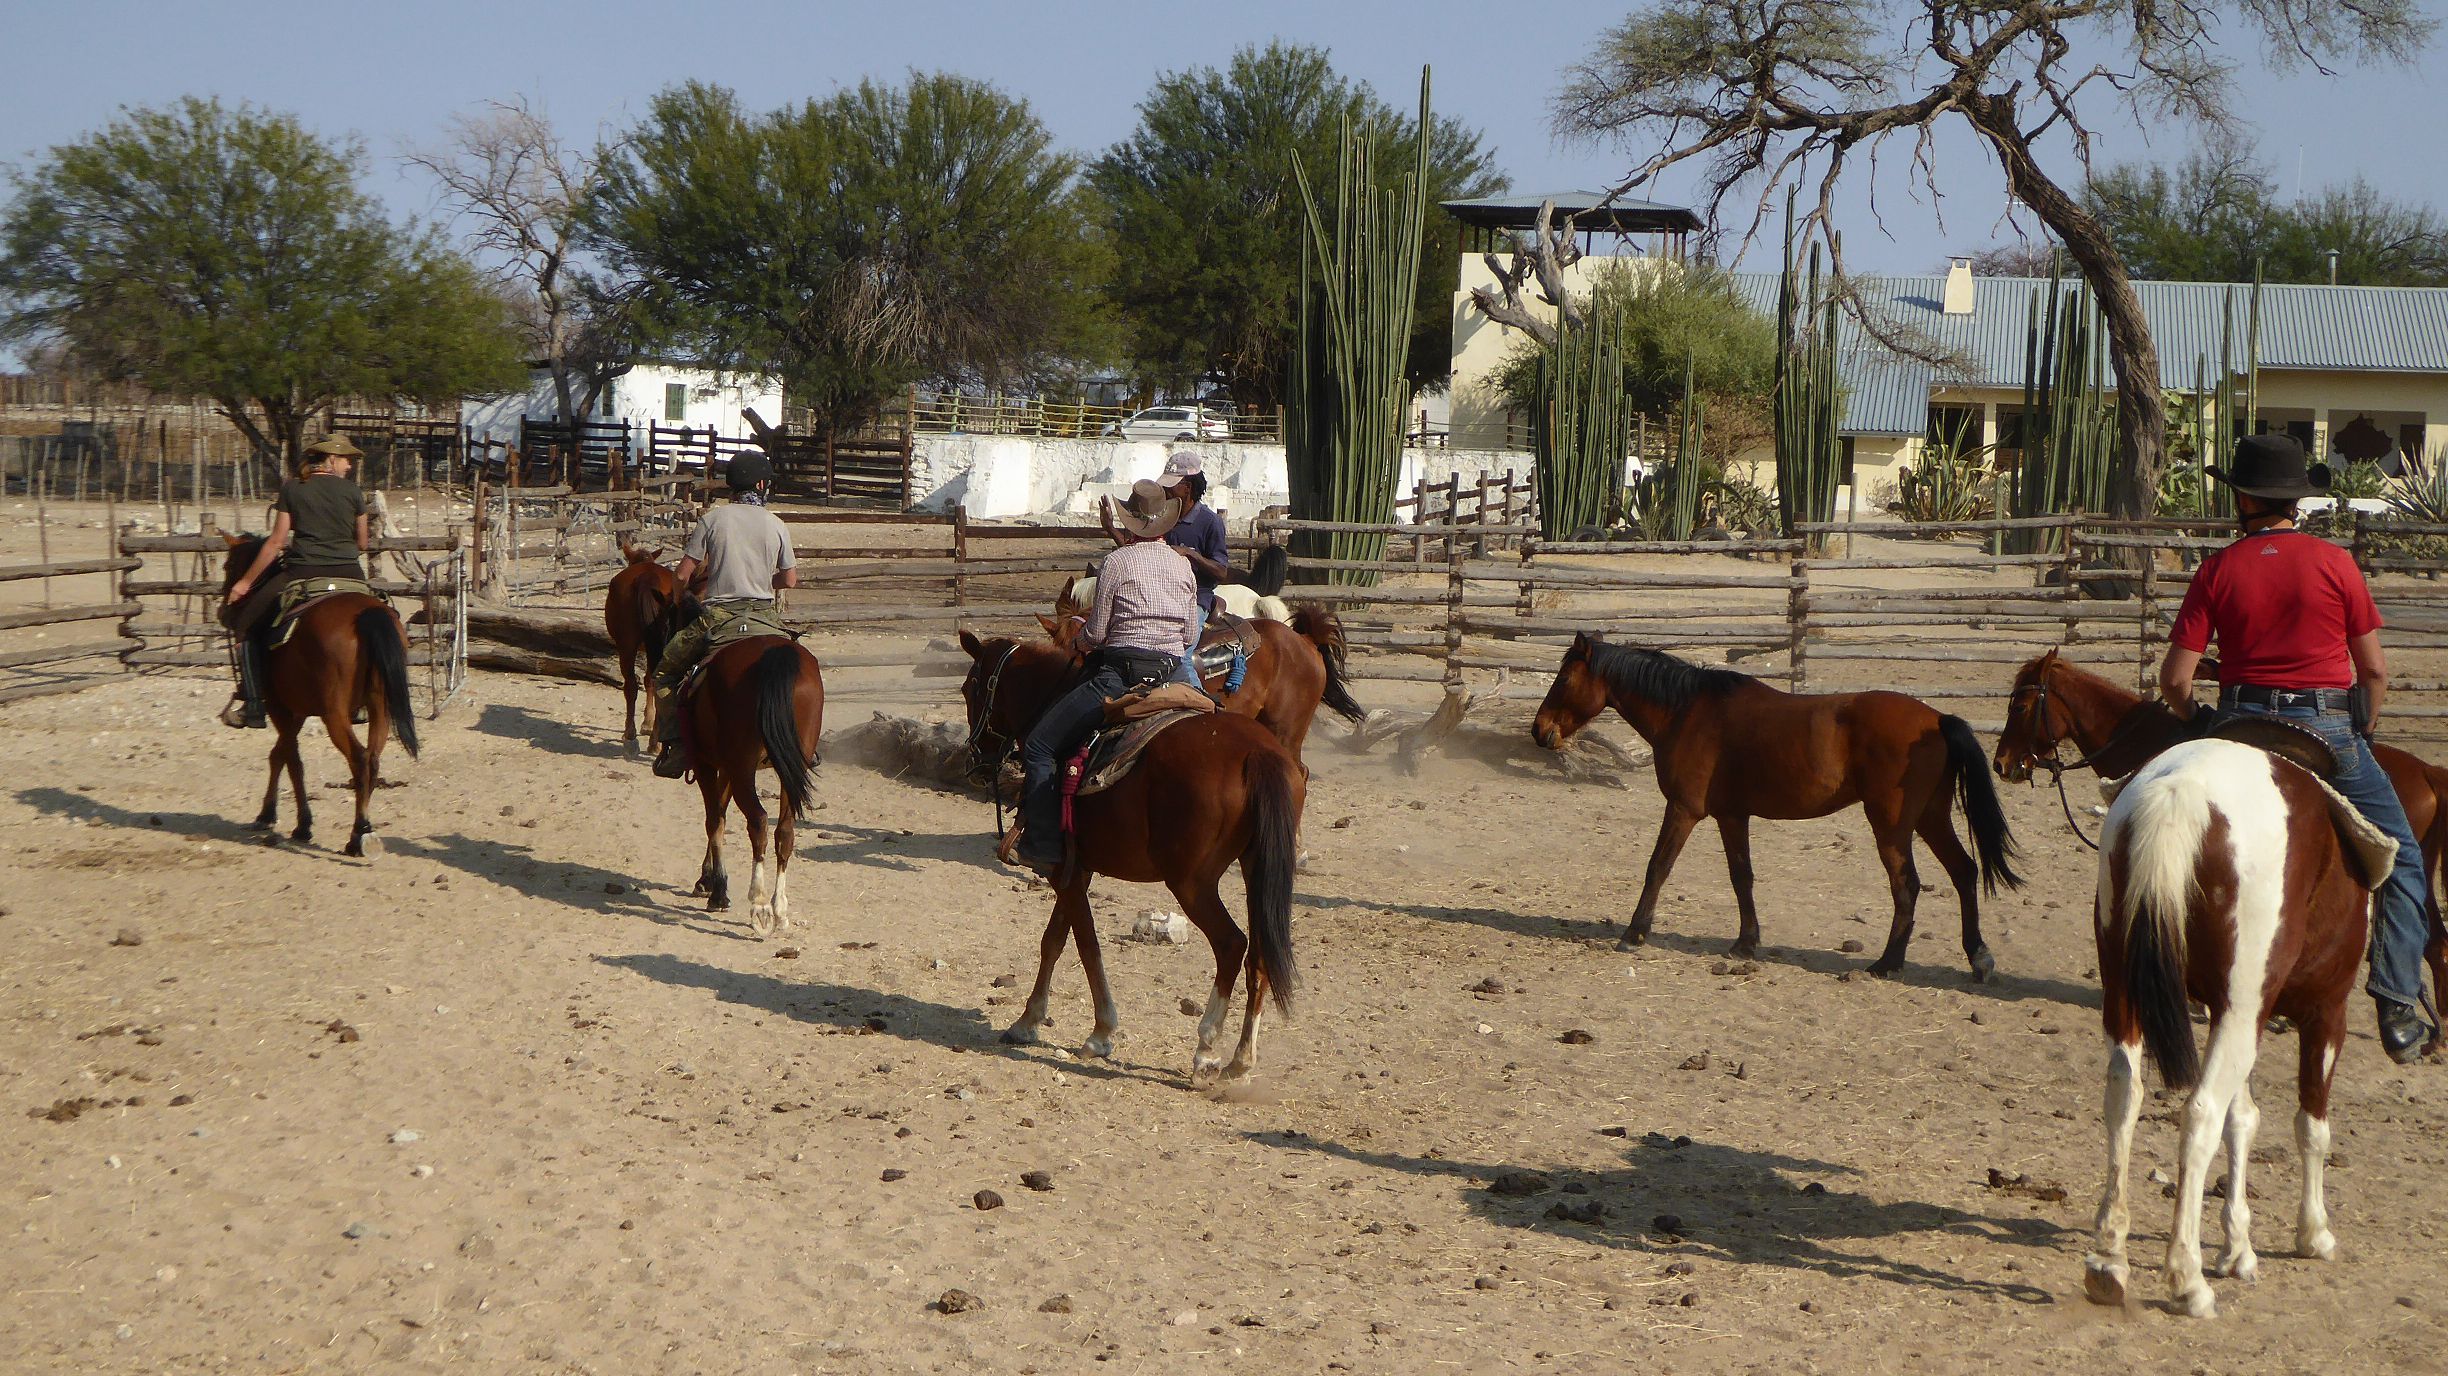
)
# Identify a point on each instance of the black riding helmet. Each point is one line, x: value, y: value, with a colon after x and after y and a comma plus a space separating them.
x: 748, y: 469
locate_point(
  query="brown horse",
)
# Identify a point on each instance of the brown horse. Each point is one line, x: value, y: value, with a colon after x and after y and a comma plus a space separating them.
x: 348, y: 653
x: 1298, y: 665
x: 2055, y: 703
x: 758, y: 701
x: 1732, y: 748
x: 634, y: 605
x: 2230, y: 878
x: 1208, y: 791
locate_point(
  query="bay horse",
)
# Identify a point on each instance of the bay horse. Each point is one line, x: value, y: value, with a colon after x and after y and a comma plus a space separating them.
x: 347, y: 653
x: 2055, y: 703
x: 1300, y: 663
x: 2234, y: 879
x: 757, y: 702
x: 634, y: 605
x: 1208, y: 791
x: 1731, y: 748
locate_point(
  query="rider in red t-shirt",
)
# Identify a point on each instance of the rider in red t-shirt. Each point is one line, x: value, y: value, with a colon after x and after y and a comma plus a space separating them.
x: 2298, y: 636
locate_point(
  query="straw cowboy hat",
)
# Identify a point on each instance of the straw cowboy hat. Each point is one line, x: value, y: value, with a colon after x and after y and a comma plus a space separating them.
x: 335, y: 447
x: 1149, y: 513
x: 2272, y: 467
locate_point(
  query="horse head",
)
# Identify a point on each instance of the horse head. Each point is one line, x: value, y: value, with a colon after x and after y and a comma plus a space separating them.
x: 1009, y: 685
x: 2035, y: 720
x: 1577, y: 695
x: 241, y: 557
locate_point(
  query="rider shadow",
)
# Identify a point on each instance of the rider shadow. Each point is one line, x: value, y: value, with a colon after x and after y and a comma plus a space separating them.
x: 532, y: 728
x: 554, y: 881
x: 894, y: 849
x: 1499, y: 919
x: 1728, y: 1204
x: 846, y: 1010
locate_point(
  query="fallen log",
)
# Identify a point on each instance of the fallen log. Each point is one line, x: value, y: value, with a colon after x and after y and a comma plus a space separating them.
x: 507, y: 659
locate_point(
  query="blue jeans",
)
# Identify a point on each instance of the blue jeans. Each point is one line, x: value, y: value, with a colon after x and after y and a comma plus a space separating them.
x: 2402, y: 923
x: 1187, y: 670
x: 1059, y: 732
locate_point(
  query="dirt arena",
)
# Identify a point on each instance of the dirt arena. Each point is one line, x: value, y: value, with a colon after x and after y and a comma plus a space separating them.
x: 506, y: 1099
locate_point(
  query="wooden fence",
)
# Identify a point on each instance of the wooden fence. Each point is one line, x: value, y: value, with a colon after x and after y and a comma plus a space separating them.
x: 555, y: 542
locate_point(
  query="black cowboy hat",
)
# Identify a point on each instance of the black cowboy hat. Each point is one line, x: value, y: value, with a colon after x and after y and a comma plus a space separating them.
x: 2273, y: 467
x: 748, y: 468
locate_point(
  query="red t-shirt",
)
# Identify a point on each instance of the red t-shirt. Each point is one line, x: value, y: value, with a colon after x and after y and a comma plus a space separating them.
x: 2282, y: 605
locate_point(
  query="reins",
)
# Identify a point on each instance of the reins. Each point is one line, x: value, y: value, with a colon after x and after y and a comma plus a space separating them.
x: 984, y: 731
x: 2057, y: 768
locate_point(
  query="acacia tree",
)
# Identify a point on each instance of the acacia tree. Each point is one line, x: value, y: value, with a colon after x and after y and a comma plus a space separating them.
x: 2217, y: 216
x: 228, y: 253
x: 522, y: 192
x: 1205, y: 217
x: 851, y: 246
x: 1760, y: 91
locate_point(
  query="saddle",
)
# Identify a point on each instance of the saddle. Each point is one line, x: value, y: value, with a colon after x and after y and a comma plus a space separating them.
x: 1113, y: 752
x: 2297, y: 745
x: 296, y: 598
x: 1225, y: 651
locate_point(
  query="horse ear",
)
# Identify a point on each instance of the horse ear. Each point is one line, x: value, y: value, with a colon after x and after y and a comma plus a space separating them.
x: 970, y: 643
x: 230, y: 541
x: 1051, y: 625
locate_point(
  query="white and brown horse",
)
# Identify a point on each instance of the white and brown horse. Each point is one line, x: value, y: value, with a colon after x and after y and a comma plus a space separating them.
x: 2233, y: 879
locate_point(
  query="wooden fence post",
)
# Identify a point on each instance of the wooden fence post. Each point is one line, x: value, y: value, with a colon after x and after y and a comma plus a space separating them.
x: 960, y: 557
x: 1797, y: 617
x: 2072, y: 567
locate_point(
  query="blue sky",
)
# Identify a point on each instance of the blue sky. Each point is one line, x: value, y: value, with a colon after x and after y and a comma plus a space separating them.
x: 392, y: 74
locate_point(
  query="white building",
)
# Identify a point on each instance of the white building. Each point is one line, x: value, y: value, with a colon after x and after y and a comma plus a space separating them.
x: 654, y: 392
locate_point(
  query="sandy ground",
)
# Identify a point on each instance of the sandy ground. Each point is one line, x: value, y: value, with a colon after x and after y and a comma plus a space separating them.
x: 505, y: 1099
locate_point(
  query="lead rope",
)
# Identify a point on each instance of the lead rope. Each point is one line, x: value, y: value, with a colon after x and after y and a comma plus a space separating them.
x: 2057, y: 771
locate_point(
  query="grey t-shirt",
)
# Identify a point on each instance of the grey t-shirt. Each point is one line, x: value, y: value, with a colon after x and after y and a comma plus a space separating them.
x: 741, y: 548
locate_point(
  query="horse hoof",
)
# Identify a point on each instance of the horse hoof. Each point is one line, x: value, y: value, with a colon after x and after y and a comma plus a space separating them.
x: 1885, y: 966
x: 1743, y: 950
x: 301, y: 836
x: 718, y: 904
x: 2103, y: 1281
x: 1097, y: 1048
x: 2244, y: 1266
x: 1631, y: 941
x: 368, y: 844
x: 1205, y: 1071
x: 2197, y: 1302
x: 263, y: 823
x: 1984, y: 965
x: 2321, y: 1246
x: 1020, y: 1034
x: 760, y: 920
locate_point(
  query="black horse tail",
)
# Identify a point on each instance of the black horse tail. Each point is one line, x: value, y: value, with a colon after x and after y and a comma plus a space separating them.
x: 2160, y: 838
x: 378, y: 637
x: 1317, y: 624
x: 1266, y: 868
x: 775, y: 680
x: 1268, y: 571
x: 1992, y: 840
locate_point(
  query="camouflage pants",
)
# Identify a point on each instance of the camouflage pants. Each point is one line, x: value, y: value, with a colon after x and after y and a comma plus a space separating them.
x: 721, y: 624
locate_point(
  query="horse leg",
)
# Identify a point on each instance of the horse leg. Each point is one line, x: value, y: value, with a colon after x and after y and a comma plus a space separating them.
x: 2104, y: 1270
x: 1083, y: 935
x: 344, y: 737
x: 2436, y: 949
x: 1904, y: 881
x: 304, y: 831
x: 1231, y: 947
x: 2319, y: 1037
x: 629, y: 692
x: 362, y: 840
x: 2224, y: 1072
x: 269, y: 815
x: 1736, y: 833
x: 712, y: 879
x: 1672, y: 833
x: 2236, y: 1258
x: 760, y: 884
x: 785, y: 840
x: 1938, y: 833
x: 1245, y: 1056
x: 1023, y: 1032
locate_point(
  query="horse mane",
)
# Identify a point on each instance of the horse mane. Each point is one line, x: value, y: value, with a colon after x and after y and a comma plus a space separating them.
x: 1658, y: 676
x: 242, y: 552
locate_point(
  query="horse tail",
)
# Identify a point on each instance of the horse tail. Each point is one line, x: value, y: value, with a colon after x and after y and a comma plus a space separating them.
x: 1318, y: 625
x: 2159, y: 827
x: 775, y: 680
x: 1268, y: 571
x: 1992, y: 840
x: 386, y: 654
x: 1266, y: 868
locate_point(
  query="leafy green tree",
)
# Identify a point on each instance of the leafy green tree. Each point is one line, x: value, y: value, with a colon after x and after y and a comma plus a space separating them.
x: 228, y: 253
x: 854, y: 245
x: 1205, y: 218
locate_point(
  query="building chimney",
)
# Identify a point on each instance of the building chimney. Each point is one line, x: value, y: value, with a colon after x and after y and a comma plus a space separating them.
x: 1958, y: 297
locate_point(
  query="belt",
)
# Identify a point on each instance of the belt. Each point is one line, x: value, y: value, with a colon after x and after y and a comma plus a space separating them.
x: 2318, y: 699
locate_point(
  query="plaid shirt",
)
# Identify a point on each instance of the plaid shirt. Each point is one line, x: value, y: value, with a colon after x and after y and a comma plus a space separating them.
x: 1146, y: 598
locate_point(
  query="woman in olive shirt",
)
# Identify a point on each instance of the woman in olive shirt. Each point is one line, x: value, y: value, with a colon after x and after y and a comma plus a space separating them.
x: 321, y: 523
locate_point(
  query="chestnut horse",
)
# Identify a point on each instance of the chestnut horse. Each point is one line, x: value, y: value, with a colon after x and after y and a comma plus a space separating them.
x: 1732, y: 748
x: 2231, y: 878
x: 2055, y: 703
x: 1208, y: 791
x: 633, y: 613
x: 1298, y: 665
x: 348, y: 653
x: 758, y: 701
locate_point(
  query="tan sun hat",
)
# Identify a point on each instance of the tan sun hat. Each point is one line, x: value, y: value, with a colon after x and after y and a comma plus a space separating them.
x: 335, y: 446
x: 1150, y: 512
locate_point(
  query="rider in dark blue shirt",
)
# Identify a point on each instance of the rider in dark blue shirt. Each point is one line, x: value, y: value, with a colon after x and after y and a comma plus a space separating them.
x: 1199, y: 535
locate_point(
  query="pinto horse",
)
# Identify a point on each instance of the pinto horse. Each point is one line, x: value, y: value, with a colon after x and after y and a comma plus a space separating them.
x: 758, y: 702
x: 1208, y: 791
x: 634, y: 605
x: 348, y: 653
x: 2055, y: 704
x: 1732, y: 748
x: 1299, y: 664
x: 2231, y: 878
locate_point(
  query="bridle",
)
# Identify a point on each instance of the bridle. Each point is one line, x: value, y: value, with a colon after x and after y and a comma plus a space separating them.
x: 2046, y: 758
x: 984, y: 732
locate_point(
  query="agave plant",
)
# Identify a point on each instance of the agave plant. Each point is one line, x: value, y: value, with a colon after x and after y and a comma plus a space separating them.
x: 1951, y: 483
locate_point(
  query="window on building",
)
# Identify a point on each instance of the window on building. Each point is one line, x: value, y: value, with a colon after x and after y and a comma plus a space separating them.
x: 1954, y: 428
x: 1844, y: 471
x: 2009, y: 455
x: 675, y: 401
x: 604, y: 402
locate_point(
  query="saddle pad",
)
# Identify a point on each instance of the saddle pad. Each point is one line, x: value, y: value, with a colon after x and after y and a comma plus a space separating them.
x: 305, y: 593
x: 1111, y: 754
x: 1228, y: 637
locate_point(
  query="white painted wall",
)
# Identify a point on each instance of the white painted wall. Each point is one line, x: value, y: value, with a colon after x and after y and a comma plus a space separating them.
x: 1000, y: 476
x: 711, y: 401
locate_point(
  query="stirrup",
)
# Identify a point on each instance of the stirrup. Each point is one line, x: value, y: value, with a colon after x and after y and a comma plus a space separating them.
x: 243, y: 715
x: 669, y: 763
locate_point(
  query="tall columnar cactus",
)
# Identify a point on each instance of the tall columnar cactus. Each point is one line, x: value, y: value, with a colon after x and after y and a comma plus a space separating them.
x: 2069, y: 414
x: 1346, y: 398
x: 1809, y: 452
x: 1580, y: 434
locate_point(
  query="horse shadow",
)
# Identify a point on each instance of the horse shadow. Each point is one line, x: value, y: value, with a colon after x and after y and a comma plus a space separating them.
x: 553, y: 880
x: 512, y: 723
x: 893, y: 848
x: 196, y: 826
x: 847, y: 1010
x: 1726, y: 1204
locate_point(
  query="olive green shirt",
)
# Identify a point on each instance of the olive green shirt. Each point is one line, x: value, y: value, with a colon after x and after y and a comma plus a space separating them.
x: 323, y: 512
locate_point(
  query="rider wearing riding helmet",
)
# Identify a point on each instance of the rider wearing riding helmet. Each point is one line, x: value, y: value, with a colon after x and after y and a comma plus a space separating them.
x: 322, y: 523
x: 1146, y: 599
x: 738, y: 557
x: 2299, y: 640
